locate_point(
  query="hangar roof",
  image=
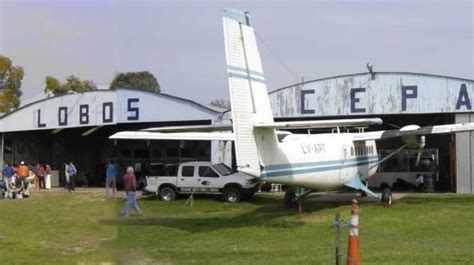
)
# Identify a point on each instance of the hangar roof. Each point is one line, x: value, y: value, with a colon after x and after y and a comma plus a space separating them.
x: 103, y: 107
x: 377, y: 94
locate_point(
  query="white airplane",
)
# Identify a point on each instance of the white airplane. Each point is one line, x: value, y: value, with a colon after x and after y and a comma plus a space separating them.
x: 314, y: 161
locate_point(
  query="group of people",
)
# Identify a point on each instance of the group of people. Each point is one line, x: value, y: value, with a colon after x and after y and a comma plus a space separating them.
x: 17, y: 178
x: 130, y: 187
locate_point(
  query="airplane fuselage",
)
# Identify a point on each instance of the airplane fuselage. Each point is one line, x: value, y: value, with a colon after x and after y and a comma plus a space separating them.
x: 320, y: 161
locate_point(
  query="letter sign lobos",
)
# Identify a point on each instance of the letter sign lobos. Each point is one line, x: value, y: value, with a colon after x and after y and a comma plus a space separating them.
x: 65, y: 116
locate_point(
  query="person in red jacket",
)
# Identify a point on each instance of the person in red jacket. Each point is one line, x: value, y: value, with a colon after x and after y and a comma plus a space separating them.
x: 40, y: 171
x: 130, y: 185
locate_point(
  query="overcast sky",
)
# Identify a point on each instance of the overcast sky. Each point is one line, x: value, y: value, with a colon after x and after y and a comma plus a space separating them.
x: 181, y: 42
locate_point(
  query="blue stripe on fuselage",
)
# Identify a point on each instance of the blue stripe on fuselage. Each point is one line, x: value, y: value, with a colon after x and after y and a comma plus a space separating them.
x: 278, y: 170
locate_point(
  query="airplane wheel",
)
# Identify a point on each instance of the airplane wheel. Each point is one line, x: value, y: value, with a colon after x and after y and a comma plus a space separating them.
x: 290, y: 198
x: 386, y: 197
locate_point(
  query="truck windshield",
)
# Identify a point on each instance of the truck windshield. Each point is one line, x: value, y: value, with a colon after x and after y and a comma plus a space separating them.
x: 223, y: 169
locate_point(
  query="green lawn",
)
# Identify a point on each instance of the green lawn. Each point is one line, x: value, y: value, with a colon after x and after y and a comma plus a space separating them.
x: 85, y: 228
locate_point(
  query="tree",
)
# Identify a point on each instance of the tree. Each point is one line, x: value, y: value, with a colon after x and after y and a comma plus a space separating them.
x: 54, y: 86
x: 10, y: 84
x: 73, y: 83
x: 221, y: 103
x: 136, y: 80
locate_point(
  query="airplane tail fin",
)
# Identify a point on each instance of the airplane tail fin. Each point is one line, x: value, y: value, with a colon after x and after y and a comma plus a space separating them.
x: 248, y: 93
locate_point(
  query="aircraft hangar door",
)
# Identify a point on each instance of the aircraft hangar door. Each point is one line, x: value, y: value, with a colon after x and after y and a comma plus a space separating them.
x: 343, y: 164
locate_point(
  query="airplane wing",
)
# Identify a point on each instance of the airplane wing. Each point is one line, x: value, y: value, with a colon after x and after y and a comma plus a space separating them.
x: 321, y: 124
x: 273, y: 125
x: 192, y: 128
x: 196, y: 136
x: 415, y: 130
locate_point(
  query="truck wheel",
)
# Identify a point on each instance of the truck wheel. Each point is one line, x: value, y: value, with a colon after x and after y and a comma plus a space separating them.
x: 232, y: 194
x: 167, y: 194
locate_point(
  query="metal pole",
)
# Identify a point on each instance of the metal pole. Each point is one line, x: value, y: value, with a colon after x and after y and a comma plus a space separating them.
x: 2, y: 161
x: 337, y: 225
x: 300, y: 208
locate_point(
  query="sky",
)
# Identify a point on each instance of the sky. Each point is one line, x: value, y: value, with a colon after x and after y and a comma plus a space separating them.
x: 181, y: 42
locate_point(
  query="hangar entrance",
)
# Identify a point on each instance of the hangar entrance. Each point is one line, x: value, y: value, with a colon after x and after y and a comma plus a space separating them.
x: 405, y: 170
x: 440, y: 148
x: 90, y: 149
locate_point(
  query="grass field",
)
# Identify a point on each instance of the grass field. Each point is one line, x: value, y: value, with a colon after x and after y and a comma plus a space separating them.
x: 85, y: 228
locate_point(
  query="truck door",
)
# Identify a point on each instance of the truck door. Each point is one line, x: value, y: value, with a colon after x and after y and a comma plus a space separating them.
x: 187, y: 181
x: 209, y: 180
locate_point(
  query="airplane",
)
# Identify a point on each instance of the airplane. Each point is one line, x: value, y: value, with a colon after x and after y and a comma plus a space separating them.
x: 263, y: 147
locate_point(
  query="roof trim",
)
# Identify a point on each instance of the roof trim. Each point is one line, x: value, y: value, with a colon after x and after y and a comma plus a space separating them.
x: 110, y: 91
x: 367, y: 73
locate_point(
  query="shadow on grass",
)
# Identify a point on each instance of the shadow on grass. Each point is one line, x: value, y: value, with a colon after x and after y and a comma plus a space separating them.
x: 437, y: 198
x: 270, y: 213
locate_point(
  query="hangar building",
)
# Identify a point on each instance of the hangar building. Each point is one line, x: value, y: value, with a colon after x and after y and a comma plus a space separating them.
x: 77, y: 126
x: 399, y: 99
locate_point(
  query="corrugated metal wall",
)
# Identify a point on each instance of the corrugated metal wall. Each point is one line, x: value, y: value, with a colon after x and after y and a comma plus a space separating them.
x: 382, y: 93
x: 465, y: 157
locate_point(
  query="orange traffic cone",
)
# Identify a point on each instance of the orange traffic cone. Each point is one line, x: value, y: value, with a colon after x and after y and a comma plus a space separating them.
x: 353, y: 253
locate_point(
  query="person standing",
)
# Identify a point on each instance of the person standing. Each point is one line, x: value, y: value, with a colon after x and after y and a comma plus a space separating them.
x: 15, y: 176
x: 130, y: 185
x: 72, y: 172
x: 23, y: 173
x: 111, y: 178
x: 40, y: 171
x: 66, y: 176
x: 8, y: 173
x: 48, y: 176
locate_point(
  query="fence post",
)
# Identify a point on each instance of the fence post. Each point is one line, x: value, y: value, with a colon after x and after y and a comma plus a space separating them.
x: 337, y: 225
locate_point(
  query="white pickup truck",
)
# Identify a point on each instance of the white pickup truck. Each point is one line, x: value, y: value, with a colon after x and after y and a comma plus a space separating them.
x: 203, y: 178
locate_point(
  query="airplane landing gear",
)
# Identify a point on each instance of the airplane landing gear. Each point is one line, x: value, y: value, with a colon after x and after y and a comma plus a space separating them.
x: 386, y: 198
x: 290, y: 198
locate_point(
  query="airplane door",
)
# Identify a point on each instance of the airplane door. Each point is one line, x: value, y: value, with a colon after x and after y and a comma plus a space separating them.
x: 343, y: 171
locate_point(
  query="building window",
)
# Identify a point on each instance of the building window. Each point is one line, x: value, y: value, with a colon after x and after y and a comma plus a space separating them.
x: 141, y: 153
x: 172, y: 152
x: 156, y: 153
x: 187, y: 152
x: 125, y: 153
